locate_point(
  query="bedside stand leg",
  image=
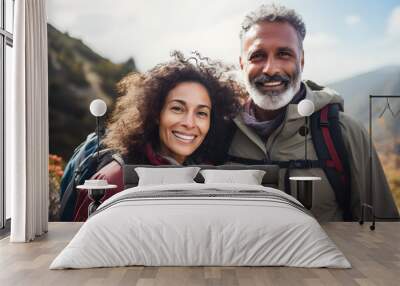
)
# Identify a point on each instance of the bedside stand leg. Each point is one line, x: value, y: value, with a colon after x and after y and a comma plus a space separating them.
x: 304, y: 193
x: 95, y: 195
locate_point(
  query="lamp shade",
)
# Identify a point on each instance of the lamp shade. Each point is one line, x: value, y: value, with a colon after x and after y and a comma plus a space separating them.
x: 305, y: 107
x: 98, y: 107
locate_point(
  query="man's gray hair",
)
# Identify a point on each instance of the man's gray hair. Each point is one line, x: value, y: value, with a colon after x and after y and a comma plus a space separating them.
x: 274, y: 13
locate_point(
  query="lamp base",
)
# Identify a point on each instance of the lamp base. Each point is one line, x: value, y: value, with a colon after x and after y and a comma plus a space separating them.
x: 95, y: 195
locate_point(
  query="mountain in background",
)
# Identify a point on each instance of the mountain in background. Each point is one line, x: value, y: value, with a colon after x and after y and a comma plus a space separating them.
x: 356, y: 91
x: 77, y: 75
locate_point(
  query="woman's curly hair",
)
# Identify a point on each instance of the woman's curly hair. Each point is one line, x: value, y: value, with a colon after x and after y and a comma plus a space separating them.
x: 134, y: 121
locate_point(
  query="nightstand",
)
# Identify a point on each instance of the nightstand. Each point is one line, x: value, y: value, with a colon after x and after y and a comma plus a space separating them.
x: 96, y: 190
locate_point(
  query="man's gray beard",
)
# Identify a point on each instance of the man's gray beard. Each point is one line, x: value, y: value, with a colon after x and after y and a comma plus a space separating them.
x: 272, y: 101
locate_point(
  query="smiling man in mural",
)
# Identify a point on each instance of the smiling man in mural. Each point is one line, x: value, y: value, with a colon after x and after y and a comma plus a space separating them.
x: 267, y: 131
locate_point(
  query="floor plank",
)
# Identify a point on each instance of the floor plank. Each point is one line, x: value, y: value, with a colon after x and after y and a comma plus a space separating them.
x: 374, y: 255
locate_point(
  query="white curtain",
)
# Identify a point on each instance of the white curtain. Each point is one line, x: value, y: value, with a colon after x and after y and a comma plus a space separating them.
x: 27, y: 124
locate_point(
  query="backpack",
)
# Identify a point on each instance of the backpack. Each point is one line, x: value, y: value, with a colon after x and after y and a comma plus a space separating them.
x: 331, y: 152
x: 82, y: 165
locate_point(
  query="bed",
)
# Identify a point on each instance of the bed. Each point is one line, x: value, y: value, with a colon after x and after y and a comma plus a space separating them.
x: 201, y: 223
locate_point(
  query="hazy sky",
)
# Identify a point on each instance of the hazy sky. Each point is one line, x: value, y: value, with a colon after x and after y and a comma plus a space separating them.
x: 344, y: 37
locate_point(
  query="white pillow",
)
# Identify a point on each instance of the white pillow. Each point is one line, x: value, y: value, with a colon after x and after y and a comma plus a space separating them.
x: 248, y: 177
x: 163, y: 176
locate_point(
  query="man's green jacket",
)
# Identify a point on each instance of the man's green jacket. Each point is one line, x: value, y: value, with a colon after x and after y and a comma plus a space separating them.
x: 285, y: 143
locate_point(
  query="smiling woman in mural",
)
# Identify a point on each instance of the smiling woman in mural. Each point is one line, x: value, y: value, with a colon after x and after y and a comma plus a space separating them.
x: 176, y: 113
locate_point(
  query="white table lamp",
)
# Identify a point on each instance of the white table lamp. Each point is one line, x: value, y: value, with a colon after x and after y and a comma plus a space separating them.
x: 98, y: 108
x: 305, y: 108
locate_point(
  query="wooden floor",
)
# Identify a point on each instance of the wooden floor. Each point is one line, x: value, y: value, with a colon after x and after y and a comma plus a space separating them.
x: 374, y: 255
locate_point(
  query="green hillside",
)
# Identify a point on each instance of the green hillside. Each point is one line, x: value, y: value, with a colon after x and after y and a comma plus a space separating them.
x: 77, y: 75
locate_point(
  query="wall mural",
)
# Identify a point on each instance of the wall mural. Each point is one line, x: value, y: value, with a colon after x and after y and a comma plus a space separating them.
x: 83, y: 68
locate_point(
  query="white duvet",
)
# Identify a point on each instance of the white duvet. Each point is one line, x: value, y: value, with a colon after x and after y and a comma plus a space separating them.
x: 201, y: 224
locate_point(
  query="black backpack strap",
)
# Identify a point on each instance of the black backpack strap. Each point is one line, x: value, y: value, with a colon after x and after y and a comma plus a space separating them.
x: 105, y: 157
x: 117, y: 157
x: 245, y: 161
x: 328, y: 144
